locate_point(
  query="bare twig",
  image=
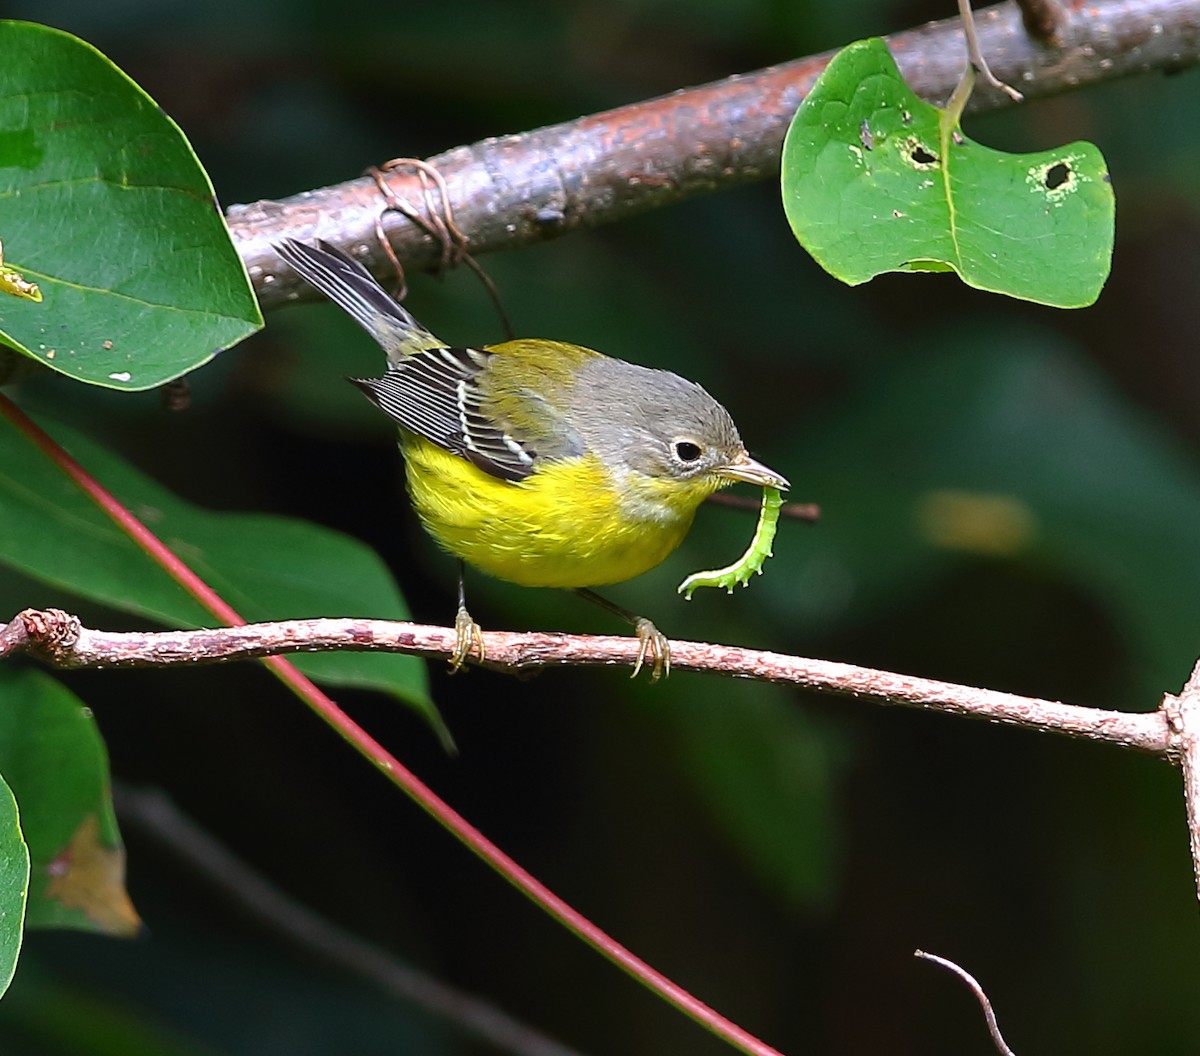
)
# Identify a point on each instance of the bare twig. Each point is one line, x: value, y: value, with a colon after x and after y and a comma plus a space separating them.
x: 154, y: 813
x: 976, y: 57
x: 517, y: 189
x: 980, y: 996
x: 796, y: 511
x: 60, y: 639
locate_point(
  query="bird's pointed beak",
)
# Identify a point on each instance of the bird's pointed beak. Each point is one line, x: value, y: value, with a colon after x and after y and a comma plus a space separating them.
x: 750, y: 471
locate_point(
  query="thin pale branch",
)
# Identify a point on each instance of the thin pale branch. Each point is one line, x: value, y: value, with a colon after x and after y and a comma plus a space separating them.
x: 518, y: 189
x: 60, y: 639
x: 978, y: 59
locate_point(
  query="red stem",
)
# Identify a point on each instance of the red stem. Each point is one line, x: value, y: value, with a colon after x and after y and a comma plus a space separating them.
x: 378, y: 756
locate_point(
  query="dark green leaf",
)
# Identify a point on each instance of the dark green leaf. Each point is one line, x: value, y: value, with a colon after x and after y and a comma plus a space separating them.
x: 106, y: 208
x: 52, y: 756
x: 265, y: 567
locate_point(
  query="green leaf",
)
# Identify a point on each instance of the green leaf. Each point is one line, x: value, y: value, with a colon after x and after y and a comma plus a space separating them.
x: 876, y: 180
x: 52, y: 756
x: 14, y: 881
x: 267, y: 568
x: 104, y: 205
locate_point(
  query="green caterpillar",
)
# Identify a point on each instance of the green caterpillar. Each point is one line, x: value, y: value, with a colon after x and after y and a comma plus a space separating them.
x: 751, y: 561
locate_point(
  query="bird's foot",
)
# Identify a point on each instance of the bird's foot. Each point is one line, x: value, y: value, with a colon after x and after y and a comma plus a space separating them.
x: 468, y: 639
x: 652, y: 644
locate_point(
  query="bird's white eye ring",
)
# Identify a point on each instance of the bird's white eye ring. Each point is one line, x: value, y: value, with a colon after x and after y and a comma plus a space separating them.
x: 687, y: 450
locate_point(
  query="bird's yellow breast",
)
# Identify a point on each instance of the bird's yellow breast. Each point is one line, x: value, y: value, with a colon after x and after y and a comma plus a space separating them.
x: 566, y: 525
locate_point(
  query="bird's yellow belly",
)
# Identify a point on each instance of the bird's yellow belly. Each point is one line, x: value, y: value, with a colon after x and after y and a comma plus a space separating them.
x: 561, y: 527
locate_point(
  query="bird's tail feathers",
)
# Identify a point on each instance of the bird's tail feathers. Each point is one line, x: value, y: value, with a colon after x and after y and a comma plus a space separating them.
x: 350, y: 286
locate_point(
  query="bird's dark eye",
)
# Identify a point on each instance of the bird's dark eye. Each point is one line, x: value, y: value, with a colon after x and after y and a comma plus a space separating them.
x: 686, y: 451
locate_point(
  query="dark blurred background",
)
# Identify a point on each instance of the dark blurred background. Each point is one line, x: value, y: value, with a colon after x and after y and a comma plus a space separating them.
x: 1011, y: 499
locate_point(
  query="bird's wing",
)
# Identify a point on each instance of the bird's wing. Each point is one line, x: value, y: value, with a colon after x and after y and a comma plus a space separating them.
x: 438, y: 394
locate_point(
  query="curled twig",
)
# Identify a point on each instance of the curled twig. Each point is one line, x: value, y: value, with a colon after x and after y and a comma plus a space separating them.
x: 437, y: 221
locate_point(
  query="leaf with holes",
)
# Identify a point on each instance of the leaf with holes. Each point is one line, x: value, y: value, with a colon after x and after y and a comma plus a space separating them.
x: 876, y: 180
x: 106, y: 213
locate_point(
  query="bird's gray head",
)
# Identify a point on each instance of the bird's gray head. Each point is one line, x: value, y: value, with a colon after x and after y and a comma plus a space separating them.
x: 660, y: 425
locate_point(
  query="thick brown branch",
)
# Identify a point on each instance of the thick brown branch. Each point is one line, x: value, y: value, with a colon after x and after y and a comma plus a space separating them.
x: 59, y: 638
x: 517, y: 189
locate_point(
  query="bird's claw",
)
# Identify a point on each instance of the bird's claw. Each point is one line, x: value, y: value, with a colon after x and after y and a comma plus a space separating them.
x: 652, y: 643
x: 468, y: 639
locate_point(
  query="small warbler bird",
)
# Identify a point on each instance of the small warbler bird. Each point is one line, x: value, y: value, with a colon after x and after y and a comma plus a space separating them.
x: 539, y: 462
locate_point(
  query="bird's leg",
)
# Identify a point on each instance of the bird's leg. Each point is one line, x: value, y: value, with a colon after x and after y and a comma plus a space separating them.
x: 652, y: 642
x: 468, y: 636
